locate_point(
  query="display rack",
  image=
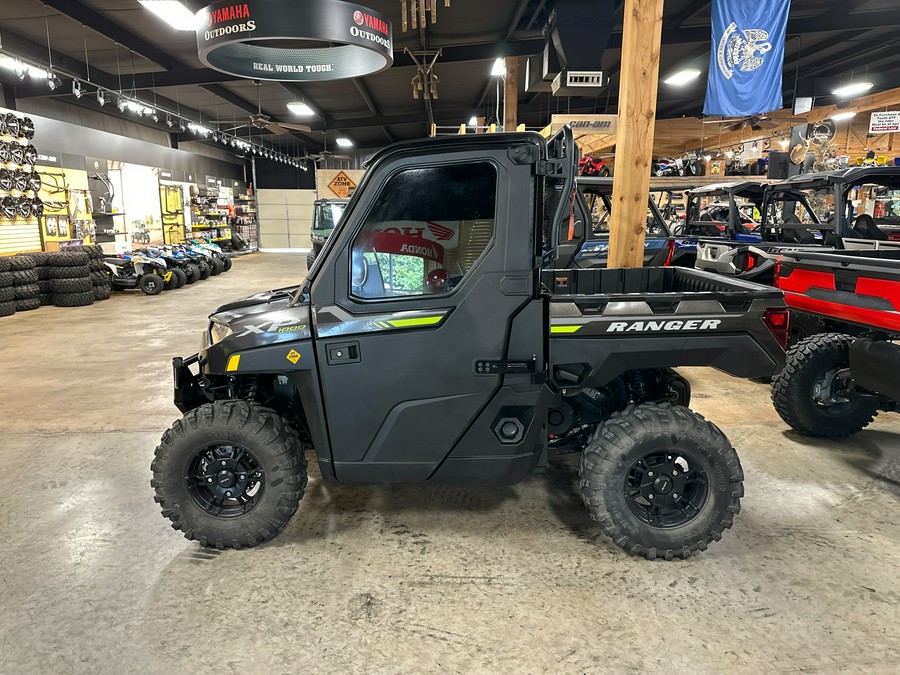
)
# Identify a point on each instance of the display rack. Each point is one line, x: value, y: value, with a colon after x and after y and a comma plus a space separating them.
x: 246, y: 221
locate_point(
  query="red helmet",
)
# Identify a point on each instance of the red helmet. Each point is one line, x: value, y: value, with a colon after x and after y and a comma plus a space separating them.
x: 437, y: 281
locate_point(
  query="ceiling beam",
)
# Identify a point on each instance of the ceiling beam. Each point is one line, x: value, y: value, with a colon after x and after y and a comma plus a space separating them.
x: 110, y: 29
x: 863, y: 104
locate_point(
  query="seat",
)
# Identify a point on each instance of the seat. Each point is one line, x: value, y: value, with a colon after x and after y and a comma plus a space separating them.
x: 867, y: 229
x: 118, y: 262
x: 792, y: 234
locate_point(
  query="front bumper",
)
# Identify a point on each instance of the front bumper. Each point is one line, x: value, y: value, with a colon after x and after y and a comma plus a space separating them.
x: 189, y: 390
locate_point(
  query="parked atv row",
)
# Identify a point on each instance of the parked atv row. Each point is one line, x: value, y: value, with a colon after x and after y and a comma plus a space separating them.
x: 156, y: 268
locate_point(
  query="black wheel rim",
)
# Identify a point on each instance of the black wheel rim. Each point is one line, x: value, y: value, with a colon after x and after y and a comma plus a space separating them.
x: 666, y: 489
x: 828, y: 394
x: 225, y: 480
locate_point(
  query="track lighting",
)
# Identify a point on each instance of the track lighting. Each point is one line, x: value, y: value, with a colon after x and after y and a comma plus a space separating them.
x: 20, y: 69
x: 101, y: 98
x: 121, y: 103
x: 54, y: 82
x: 169, y: 121
x: 76, y: 88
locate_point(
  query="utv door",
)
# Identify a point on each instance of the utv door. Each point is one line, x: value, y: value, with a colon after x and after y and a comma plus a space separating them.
x: 427, y: 296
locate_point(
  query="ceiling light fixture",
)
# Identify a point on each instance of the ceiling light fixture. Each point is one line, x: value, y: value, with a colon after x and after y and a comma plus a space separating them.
x: 169, y: 121
x: 853, y: 89
x: 473, y: 121
x: 683, y: 76
x: 101, y: 98
x: 173, y: 13
x: 499, y: 69
x: 300, y: 108
x: 343, y: 142
x: 784, y: 142
x: 76, y: 88
x: 837, y: 117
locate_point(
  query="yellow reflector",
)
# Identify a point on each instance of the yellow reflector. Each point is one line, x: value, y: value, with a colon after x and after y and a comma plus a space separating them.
x: 233, y: 362
x: 564, y: 329
x: 419, y: 321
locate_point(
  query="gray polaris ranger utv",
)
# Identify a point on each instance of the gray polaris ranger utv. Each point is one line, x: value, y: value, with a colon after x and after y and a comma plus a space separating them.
x: 428, y: 345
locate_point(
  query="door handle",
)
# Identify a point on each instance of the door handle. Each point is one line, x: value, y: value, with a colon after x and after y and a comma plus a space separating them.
x: 345, y: 352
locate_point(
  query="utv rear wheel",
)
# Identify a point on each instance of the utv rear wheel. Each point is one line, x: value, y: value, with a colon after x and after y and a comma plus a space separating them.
x: 310, y: 259
x: 204, y: 271
x: 809, y: 395
x: 228, y: 263
x: 229, y: 474
x: 216, y: 266
x: 661, y: 481
x: 151, y: 284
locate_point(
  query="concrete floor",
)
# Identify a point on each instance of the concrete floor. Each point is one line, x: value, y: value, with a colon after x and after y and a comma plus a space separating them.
x: 408, y: 579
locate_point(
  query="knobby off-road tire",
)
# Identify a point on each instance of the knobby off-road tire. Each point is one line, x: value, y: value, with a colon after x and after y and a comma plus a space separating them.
x: 204, y: 271
x: 180, y: 277
x: 7, y: 308
x: 21, y: 262
x: 811, y: 363
x: 73, y: 299
x: 216, y: 266
x: 8, y: 294
x: 193, y: 273
x: 27, y: 304
x: 228, y: 263
x: 27, y: 291
x: 672, y: 453
x: 82, y: 285
x: 70, y: 272
x: 101, y: 292
x: 310, y: 259
x: 24, y: 277
x: 223, y: 441
x: 68, y: 259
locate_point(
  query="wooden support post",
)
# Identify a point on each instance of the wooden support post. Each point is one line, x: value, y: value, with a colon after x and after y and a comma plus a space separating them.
x: 511, y: 94
x: 638, y: 80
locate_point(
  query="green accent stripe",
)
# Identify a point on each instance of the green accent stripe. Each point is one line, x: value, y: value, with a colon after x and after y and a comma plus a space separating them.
x: 418, y: 321
x: 564, y: 329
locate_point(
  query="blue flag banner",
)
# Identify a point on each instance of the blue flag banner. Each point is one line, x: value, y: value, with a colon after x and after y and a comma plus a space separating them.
x: 747, y: 56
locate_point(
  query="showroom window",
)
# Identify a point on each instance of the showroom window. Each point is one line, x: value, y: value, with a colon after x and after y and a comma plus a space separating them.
x: 426, y: 230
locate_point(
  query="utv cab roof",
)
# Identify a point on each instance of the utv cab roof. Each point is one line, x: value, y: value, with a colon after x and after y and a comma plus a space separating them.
x: 746, y: 188
x: 857, y: 175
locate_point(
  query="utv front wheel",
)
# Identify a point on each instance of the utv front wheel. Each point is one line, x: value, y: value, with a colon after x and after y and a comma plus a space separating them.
x: 661, y: 481
x: 151, y: 284
x: 229, y: 474
x: 809, y: 395
x: 310, y: 259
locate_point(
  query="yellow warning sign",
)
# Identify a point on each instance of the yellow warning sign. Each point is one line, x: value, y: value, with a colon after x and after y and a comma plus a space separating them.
x: 293, y: 356
x: 342, y: 185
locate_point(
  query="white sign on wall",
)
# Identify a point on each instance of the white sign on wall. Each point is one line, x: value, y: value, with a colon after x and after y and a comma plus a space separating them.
x: 884, y: 122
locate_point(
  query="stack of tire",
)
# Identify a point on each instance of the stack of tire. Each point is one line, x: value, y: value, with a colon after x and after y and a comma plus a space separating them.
x: 25, y: 283
x: 72, y: 285
x: 99, y: 272
x: 44, y: 282
x: 7, y: 291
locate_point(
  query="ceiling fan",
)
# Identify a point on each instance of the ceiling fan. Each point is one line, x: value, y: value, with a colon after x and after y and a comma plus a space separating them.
x: 770, y: 120
x: 260, y: 121
x: 325, y: 153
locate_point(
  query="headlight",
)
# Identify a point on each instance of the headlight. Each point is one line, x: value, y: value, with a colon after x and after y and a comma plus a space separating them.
x: 218, y: 332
